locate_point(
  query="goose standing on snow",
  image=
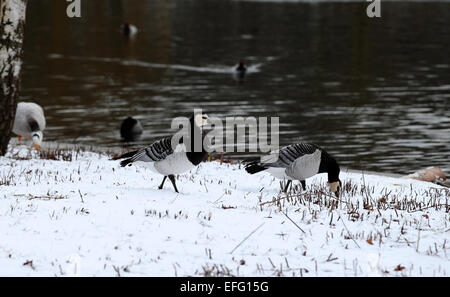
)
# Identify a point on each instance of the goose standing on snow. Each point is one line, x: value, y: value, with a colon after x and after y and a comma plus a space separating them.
x: 29, y: 122
x: 128, y: 29
x: 131, y: 129
x: 162, y: 158
x: 298, y: 162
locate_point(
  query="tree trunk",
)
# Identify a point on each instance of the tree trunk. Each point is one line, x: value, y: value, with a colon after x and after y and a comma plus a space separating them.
x: 12, y: 21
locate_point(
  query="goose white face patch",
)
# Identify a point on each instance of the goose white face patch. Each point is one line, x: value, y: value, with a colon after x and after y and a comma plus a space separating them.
x: 37, y: 137
x: 334, y: 187
x: 201, y: 120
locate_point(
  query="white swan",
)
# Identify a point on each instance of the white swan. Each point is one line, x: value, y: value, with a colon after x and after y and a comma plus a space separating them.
x: 29, y: 122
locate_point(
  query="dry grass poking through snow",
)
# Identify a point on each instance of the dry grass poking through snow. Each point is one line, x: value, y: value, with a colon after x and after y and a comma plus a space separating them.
x: 73, y: 212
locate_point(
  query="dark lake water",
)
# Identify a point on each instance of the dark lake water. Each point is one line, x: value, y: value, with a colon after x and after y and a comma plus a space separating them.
x: 373, y: 92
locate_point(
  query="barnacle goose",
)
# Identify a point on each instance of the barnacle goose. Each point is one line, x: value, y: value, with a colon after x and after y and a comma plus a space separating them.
x: 130, y: 129
x: 29, y: 122
x: 128, y: 29
x: 162, y: 158
x: 298, y: 161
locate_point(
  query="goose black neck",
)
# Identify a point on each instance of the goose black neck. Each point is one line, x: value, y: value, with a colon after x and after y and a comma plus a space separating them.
x: 196, y: 154
x: 329, y: 165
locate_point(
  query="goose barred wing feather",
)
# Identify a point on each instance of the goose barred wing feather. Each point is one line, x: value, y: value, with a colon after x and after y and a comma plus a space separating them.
x: 157, y: 151
x: 285, y: 157
x: 305, y: 166
x: 288, y: 154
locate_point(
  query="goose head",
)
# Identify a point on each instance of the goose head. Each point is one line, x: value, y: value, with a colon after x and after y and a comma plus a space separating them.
x: 201, y: 119
x: 335, y: 187
x: 37, y: 137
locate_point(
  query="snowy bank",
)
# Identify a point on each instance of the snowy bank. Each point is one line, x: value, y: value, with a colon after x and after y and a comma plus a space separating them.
x: 87, y: 216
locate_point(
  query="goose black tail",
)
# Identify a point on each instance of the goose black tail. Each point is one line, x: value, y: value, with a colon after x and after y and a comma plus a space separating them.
x: 125, y: 162
x: 253, y: 166
x: 126, y: 156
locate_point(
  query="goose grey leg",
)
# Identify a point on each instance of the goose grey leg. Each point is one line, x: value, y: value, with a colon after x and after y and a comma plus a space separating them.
x: 287, y: 186
x: 303, y: 185
x: 162, y: 184
x: 172, y: 179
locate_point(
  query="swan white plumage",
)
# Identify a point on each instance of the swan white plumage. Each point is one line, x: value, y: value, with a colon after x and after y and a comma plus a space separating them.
x: 29, y: 122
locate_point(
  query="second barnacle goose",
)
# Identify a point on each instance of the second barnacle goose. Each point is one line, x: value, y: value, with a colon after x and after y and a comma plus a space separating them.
x: 169, y: 161
x: 298, y: 161
x: 29, y: 122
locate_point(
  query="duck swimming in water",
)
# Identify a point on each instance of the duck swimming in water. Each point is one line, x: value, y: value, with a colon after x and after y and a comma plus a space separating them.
x: 240, y: 70
x: 128, y: 29
x: 131, y: 129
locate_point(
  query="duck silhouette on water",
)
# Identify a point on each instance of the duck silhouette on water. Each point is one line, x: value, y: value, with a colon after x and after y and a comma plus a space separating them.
x: 128, y: 29
x: 131, y: 129
x: 239, y: 71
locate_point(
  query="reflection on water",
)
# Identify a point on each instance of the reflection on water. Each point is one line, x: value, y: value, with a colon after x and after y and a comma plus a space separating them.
x: 374, y: 92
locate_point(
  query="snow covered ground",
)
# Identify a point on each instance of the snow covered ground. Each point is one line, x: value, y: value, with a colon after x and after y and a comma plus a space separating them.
x: 87, y: 216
